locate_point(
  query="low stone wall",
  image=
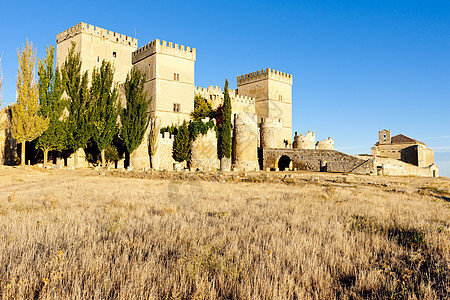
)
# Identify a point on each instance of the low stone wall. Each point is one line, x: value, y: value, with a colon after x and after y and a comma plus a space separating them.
x: 204, y: 152
x: 393, y: 167
x: 318, y: 160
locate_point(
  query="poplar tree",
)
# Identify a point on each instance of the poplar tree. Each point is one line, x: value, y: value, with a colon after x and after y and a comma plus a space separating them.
x: 77, y: 129
x: 135, y: 116
x: 27, y: 124
x: 225, y: 125
x: 104, y: 107
x: 181, y: 150
x: 51, y: 104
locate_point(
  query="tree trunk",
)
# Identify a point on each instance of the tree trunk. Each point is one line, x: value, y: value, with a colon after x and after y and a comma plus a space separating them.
x: 22, y: 155
x: 103, y: 158
x: 45, y: 158
x: 151, y: 162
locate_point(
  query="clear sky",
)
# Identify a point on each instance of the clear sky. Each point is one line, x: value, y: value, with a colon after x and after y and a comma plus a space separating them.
x: 359, y: 66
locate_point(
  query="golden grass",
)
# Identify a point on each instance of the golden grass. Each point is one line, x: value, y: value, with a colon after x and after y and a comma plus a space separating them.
x: 77, y: 235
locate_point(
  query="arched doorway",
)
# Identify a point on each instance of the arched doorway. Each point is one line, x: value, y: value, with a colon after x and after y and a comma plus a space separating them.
x: 284, y: 162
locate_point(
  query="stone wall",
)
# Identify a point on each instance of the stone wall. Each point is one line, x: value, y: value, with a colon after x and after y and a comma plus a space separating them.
x: 162, y: 160
x: 245, y: 142
x: 271, y: 133
x: 306, y: 141
x: 204, y: 152
x: 393, y: 167
x: 318, y: 160
x: 325, y: 144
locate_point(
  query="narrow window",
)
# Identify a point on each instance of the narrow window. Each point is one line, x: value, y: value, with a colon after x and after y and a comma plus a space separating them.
x: 384, y: 136
x: 176, y: 107
x: 178, y: 77
x: 98, y: 58
x: 114, y: 54
x: 174, y: 76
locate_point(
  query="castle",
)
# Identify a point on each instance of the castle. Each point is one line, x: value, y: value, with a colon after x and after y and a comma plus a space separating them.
x: 261, y: 113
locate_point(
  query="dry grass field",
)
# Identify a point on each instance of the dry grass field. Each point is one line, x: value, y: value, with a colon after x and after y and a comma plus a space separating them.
x: 110, y: 235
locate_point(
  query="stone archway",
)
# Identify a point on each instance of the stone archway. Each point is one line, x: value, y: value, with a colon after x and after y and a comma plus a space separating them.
x: 283, y: 162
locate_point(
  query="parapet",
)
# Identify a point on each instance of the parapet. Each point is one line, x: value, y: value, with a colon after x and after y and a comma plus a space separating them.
x: 325, y: 144
x: 98, y: 32
x: 158, y: 46
x: 245, y: 118
x: 264, y: 74
x: 215, y: 95
x: 306, y: 141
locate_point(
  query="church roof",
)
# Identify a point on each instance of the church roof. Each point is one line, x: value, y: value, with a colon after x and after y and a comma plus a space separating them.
x: 400, y: 139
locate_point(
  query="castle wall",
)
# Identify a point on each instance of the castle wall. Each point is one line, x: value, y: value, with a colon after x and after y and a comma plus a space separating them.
x: 425, y: 156
x: 307, y: 141
x: 325, y: 144
x: 245, y: 143
x: 162, y: 160
x: 318, y: 160
x: 271, y: 132
x: 95, y: 44
x: 204, y: 152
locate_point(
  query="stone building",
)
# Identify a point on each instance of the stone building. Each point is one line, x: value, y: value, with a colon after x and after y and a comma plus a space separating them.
x: 401, y: 147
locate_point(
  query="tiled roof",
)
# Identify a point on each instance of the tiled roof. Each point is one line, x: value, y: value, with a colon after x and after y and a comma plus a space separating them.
x: 400, y: 138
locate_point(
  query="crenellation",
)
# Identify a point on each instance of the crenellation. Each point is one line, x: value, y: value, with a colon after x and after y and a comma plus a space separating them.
x: 161, y: 46
x: 264, y: 74
x: 98, y: 32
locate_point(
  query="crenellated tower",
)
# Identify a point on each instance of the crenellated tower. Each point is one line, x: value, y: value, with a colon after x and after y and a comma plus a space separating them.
x: 272, y: 91
x: 95, y: 44
x: 169, y: 70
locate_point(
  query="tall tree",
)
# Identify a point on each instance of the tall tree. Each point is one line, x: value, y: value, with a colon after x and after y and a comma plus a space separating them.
x: 51, y: 104
x: 182, y: 144
x: 135, y: 116
x: 202, y: 108
x: 225, y: 125
x: 77, y: 127
x: 153, y: 138
x: 104, y: 107
x: 27, y: 124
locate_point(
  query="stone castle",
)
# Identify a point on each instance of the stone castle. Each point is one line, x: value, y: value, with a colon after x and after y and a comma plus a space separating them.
x: 261, y: 108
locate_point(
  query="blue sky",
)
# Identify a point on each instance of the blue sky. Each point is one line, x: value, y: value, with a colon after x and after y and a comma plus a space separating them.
x: 358, y: 66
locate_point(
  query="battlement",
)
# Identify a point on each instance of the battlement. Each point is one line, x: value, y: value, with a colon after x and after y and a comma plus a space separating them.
x: 158, y: 46
x: 264, y: 74
x: 325, y: 144
x: 244, y: 118
x: 98, y: 32
x: 271, y: 122
x: 215, y: 93
x: 310, y: 135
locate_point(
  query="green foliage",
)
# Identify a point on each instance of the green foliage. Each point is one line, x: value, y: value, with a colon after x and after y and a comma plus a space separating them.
x: 77, y: 128
x: 104, y: 107
x: 27, y: 123
x: 182, y: 144
x: 172, y: 129
x: 224, y: 140
x: 51, y: 103
x: 202, y: 108
x: 135, y: 116
x: 197, y: 127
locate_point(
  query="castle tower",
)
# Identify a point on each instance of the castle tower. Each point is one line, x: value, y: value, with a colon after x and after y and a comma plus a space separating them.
x: 271, y: 130
x: 169, y: 70
x: 245, y: 142
x: 325, y: 144
x: 306, y: 141
x: 95, y: 44
x: 272, y: 91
